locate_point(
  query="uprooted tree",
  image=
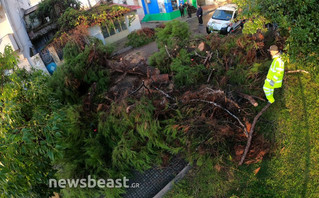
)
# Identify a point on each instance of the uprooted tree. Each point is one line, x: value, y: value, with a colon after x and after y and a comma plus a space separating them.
x: 103, y: 117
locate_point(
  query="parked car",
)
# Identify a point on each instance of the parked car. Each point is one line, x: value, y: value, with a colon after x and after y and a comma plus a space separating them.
x: 224, y: 20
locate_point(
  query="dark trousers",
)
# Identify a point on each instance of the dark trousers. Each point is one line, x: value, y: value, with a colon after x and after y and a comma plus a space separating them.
x: 182, y: 13
x: 189, y: 13
x: 200, y: 20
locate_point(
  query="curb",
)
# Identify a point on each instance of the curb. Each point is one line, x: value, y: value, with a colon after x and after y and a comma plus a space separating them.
x: 121, y: 51
x: 170, y: 185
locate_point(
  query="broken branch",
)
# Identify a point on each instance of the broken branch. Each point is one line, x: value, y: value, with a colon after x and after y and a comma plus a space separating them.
x: 297, y: 71
x: 142, y: 85
x: 217, y: 105
x: 208, y: 57
x: 199, y: 55
x: 250, y: 136
x: 165, y: 94
x: 249, y: 98
x: 210, y: 75
x: 169, y: 55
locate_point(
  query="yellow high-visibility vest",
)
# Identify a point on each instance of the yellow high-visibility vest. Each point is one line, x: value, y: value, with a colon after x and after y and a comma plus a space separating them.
x: 275, y: 72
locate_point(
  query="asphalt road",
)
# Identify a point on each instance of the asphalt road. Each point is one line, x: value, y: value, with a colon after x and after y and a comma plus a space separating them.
x: 193, y: 24
x: 195, y: 28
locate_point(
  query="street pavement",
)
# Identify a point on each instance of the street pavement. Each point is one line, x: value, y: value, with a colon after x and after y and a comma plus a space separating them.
x: 197, y: 29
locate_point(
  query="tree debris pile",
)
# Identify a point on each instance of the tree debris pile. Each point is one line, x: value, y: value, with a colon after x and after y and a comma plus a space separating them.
x: 195, y: 98
x: 211, y: 122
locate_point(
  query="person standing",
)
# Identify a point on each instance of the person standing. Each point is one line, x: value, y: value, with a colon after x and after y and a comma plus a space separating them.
x: 199, y: 15
x: 275, y: 74
x: 181, y: 9
x: 188, y: 9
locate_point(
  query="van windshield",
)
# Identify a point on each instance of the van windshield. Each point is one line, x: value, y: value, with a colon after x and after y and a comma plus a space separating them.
x: 225, y: 15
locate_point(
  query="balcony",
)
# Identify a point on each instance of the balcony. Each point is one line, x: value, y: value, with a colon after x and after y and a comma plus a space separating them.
x: 37, y: 28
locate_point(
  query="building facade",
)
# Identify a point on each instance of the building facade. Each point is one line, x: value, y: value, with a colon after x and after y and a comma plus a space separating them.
x: 29, y: 36
x: 14, y: 33
x: 163, y: 10
x: 119, y: 29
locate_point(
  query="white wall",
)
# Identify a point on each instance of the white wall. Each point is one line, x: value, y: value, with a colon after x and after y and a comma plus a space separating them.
x: 85, y: 3
x: 135, y: 25
x: 34, y: 2
x: 117, y: 37
x: 14, y: 16
x: 140, y: 11
x: 96, y: 32
x: 5, y: 26
x: 8, y: 40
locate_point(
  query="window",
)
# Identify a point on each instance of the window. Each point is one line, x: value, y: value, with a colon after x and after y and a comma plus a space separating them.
x: 105, y: 31
x: 111, y: 29
x: 117, y: 26
x: 123, y: 24
x: 223, y: 15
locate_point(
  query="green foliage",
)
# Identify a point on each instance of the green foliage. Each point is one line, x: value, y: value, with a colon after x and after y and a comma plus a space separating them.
x: 161, y: 60
x: 252, y: 26
x: 297, y: 20
x: 73, y: 79
x: 290, y: 171
x: 259, y: 68
x: 174, y: 34
x: 100, y: 15
x: 139, y: 38
x: 203, y: 181
x: 8, y: 62
x: 28, y: 128
x: 138, y: 137
x: 55, y: 8
x: 120, y: 142
x: 69, y: 19
x: 185, y: 73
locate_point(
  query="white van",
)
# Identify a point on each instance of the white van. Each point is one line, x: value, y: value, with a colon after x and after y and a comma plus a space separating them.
x: 224, y: 20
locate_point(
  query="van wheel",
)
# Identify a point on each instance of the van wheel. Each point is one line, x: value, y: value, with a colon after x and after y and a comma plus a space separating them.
x: 223, y: 31
x: 207, y: 30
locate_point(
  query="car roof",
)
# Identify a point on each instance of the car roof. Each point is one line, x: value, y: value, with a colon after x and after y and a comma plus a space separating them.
x: 231, y: 7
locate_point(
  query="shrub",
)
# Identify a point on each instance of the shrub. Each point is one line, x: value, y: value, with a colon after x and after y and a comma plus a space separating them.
x: 69, y: 19
x: 184, y: 72
x: 141, y: 37
x: 161, y: 61
x: 54, y: 8
x: 27, y: 134
x: 111, y: 144
x: 297, y: 25
x: 81, y: 69
x: 175, y: 36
